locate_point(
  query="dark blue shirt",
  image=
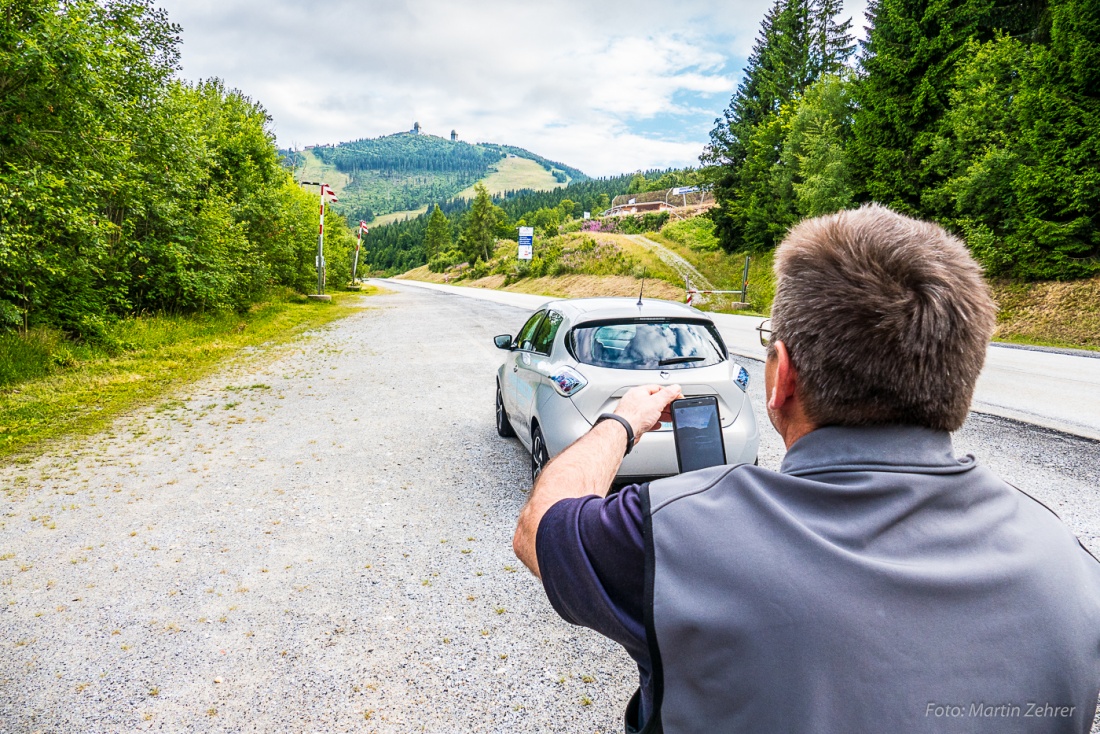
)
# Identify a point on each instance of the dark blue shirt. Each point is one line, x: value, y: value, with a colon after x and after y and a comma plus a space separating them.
x: 592, y: 559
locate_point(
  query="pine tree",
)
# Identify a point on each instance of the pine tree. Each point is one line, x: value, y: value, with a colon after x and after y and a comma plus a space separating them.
x: 1019, y: 150
x: 481, y: 224
x: 799, y: 41
x: 909, y: 59
x: 437, y: 237
x: 831, y: 40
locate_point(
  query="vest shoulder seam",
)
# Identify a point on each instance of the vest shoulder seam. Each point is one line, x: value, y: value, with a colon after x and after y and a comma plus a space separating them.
x: 688, y: 493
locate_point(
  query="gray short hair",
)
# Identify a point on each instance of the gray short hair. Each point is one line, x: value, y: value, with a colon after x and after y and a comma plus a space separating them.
x: 886, y: 319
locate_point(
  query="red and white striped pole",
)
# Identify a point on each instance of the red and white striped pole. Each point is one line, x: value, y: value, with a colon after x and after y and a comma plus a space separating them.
x: 358, y: 244
x: 321, y: 246
x: 320, y: 261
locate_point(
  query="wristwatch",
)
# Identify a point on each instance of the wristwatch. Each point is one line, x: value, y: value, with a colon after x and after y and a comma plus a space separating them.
x: 626, y: 425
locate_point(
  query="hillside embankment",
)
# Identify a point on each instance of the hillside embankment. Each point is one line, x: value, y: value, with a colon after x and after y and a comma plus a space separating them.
x: 582, y: 264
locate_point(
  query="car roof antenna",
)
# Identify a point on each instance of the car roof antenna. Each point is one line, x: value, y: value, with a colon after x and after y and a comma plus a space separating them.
x: 640, y: 290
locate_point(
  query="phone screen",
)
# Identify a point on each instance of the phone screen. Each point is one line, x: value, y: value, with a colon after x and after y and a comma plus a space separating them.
x: 698, y: 433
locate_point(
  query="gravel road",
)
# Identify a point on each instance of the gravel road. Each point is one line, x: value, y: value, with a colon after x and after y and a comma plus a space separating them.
x: 318, y: 538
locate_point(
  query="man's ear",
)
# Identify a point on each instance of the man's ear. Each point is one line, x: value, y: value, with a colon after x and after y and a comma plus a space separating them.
x: 786, y: 380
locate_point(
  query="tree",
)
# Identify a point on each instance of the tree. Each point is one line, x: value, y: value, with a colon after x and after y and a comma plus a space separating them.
x: 480, y: 226
x: 831, y: 42
x: 1018, y: 152
x: 798, y: 41
x: 437, y: 237
x: 813, y: 155
x: 123, y: 190
x: 908, y: 63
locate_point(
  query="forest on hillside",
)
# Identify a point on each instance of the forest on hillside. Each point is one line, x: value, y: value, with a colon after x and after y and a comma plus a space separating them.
x: 984, y: 116
x: 405, y: 171
x: 125, y: 191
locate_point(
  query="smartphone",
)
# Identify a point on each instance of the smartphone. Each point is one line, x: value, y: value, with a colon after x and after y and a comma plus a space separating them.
x: 697, y: 432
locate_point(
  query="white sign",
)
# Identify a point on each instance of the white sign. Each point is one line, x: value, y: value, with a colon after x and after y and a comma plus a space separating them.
x: 588, y: 215
x: 685, y: 190
x: 526, y: 242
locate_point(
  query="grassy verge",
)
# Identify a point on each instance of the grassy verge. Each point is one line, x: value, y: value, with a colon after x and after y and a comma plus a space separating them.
x: 573, y: 253
x: 563, y: 286
x: 1049, y: 314
x: 73, y: 389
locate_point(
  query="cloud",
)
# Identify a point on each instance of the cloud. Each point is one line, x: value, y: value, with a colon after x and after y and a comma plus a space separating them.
x: 604, y: 87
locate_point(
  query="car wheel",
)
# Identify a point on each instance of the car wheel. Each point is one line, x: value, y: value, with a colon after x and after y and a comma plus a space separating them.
x: 539, y: 454
x: 504, y: 427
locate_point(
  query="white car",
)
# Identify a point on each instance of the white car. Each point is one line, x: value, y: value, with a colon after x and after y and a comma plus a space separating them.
x: 574, y: 359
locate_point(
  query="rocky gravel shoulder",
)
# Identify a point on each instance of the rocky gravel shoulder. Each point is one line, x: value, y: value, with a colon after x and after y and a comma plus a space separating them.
x: 317, y: 540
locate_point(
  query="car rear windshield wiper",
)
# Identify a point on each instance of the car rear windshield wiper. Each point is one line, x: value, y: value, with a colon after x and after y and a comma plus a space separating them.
x: 679, y: 360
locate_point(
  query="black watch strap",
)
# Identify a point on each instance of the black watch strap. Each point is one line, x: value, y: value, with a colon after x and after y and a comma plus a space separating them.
x: 626, y: 425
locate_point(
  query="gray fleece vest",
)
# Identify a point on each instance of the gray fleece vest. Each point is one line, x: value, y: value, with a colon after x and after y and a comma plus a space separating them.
x: 876, y: 584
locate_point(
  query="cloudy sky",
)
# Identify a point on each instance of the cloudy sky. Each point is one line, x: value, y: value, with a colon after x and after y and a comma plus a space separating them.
x: 605, y: 87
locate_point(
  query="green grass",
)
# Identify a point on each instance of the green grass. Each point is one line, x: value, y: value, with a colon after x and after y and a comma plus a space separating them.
x: 512, y: 174
x: 383, y: 219
x: 576, y: 253
x: 314, y: 169
x: 1050, y: 314
x: 58, y: 388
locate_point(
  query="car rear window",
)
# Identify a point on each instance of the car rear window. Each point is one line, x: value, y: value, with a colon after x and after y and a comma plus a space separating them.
x: 648, y: 345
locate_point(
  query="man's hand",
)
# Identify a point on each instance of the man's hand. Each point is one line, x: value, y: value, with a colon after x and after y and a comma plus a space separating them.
x: 588, y: 466
x: 646, y: 406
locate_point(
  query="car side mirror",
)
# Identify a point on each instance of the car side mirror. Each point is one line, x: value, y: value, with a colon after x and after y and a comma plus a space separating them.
x: 504, y: 341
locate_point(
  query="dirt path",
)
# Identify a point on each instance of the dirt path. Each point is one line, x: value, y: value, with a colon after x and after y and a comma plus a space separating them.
x: 684, y: 268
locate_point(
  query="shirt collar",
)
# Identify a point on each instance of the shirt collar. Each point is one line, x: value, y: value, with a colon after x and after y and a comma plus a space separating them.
x: 874, y: 448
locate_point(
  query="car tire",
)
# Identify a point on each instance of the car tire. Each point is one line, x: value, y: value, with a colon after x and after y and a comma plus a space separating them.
x: 539, y: 454
x: 504, y: 426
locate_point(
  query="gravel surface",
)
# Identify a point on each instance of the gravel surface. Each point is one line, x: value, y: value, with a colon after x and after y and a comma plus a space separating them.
x: 318, y: 538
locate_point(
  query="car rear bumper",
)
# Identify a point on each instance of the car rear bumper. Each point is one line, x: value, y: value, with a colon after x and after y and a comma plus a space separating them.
x: 653, y: 456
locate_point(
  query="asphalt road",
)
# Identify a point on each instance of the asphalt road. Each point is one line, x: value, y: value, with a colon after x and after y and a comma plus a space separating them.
x: 1048, y: 388
x: 319, y: 539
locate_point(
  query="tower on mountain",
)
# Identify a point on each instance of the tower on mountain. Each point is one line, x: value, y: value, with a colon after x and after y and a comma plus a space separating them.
x: 454, y: 136
x: 416, y: 128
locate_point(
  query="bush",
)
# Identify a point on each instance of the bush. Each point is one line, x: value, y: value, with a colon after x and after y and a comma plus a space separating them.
x: 478, y: 270
x: 648, y: 222
x: 445, y: 260
x: 696, y: 233
x: 634, y: 224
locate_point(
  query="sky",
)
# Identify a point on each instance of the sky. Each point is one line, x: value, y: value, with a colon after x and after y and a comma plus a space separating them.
x: 605, y: 87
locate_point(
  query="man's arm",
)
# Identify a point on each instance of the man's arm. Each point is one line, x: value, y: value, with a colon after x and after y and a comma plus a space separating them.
x: 589, y: 465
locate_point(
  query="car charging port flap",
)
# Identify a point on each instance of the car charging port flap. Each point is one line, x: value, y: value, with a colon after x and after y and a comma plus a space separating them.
x: 566, y: 380
x: 742, y: 378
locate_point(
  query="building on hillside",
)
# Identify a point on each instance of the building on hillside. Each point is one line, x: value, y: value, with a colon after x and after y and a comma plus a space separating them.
x: 637, y: 207
x: 416, y: 128
x: 454, y: 136
x: 680, y: 199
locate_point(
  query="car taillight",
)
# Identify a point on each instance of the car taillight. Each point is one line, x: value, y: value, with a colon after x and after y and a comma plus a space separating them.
x: 742, y: 378
x: 567, y: 381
